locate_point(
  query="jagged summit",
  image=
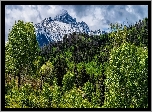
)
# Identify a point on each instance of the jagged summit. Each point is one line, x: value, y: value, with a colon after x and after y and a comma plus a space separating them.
x: 65, y: 18
x: 52, y: 30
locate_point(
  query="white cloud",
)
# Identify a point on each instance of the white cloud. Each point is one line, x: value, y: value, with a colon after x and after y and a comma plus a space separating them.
x: 97, y: 17
x: 130, y: 9
x: 26, y: 13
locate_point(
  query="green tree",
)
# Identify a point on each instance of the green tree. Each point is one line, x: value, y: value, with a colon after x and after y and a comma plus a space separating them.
x: 74, y: 99
x: 23, y: 48
x: 88, y: 89
x: 81, y: 75
x: 9, y: 65
x: 118, y: 36
x: 60, y: 69
x: 46, y: 72
x: 68, y: 81
x: 127, y: 77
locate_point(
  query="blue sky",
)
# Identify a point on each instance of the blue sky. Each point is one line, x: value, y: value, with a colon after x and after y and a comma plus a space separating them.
x: 96, y: 16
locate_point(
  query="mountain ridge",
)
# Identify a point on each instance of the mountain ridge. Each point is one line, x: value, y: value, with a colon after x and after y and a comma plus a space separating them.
x: 53, y: 29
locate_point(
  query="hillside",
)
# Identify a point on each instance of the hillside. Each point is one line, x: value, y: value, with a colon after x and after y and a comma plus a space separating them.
x: 81, y: 71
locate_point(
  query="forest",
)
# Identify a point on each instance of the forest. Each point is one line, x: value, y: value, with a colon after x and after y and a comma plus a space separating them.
x: 82, y: 71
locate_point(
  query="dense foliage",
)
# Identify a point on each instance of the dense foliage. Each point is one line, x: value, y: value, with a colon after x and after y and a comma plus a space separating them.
x: 82, y: 71
x: 127, y: 77
x: 22, y: 49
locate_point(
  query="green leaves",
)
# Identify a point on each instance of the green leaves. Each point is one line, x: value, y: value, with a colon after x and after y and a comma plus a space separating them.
x: 118, y: 36
x: 94, y: 68
x: 88, y: 89
x: 46, y: 69
x: 68, y: 81
x: 46, y: 72
x: 127, y: 77
x: 74, y: 99
x: 22, y: 46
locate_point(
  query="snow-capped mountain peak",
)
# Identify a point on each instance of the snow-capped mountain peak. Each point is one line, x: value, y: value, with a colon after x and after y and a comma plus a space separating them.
x: 65, y: 18
x: 52, y: 30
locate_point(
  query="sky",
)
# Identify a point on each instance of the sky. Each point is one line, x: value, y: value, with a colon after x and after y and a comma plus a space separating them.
x: 95, y: 16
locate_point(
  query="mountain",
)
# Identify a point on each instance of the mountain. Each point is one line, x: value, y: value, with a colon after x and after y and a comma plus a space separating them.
x: 52, y: 30
x: 65, y: 18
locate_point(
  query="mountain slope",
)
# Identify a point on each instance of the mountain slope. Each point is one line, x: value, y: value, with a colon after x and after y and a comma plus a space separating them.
x: 52, y: 30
